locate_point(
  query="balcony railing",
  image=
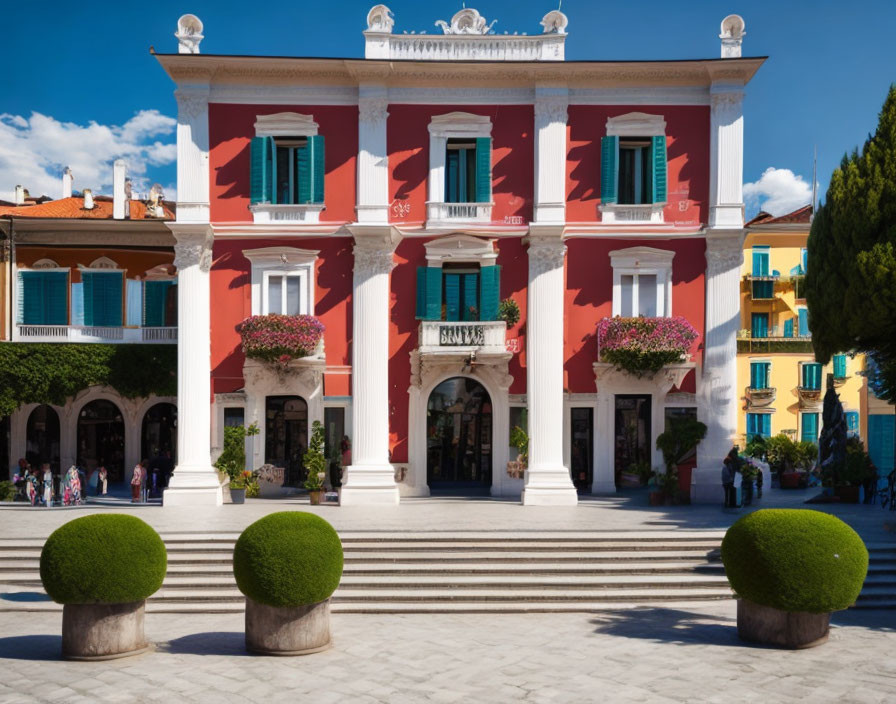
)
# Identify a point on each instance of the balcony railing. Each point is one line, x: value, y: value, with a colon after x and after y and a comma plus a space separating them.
x: 809, y: 397
x: 455, y: 213
x: 482, y: 337
x: 761, y: 397
x: 773, y: 341
x: 623, y: 213
x: 92, y: 333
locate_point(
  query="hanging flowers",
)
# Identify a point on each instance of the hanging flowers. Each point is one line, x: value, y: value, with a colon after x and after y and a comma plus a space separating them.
x: 279, y: 339
x: 644, y: 345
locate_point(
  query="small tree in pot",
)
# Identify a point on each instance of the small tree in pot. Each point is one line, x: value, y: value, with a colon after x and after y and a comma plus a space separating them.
x: 520, y: 440
x: 102, y: 568
x: 675, y: 444
x: 790, y: 569
x: 288, y: 564
x: 315, y: 461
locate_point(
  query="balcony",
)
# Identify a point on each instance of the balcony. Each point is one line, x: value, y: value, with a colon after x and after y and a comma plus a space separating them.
x: 440, y: 338
x: 773, y: 342
x: 810, y: 398
x: 761, y: 398
x: 649, y: 213
x: 91, y: 333
x: 453, y: 214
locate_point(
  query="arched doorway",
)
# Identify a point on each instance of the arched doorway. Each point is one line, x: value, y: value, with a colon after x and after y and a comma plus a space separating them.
x: 42, y: 438
x: 158, y: 441
x: 286, y: 436
x: 459, y: 437
x: 101, y: 438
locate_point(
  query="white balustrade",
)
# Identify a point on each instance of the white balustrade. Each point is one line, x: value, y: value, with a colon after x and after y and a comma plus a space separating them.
x: 483, y: 337
x: 454, y: 213
x: 94, y: 333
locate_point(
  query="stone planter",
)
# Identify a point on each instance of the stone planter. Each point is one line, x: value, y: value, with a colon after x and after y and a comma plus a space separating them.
x: 784, y: 629
x: 315, y: 497
x: 287, y: 630
x: 103, y: 631
x: 238, y: 496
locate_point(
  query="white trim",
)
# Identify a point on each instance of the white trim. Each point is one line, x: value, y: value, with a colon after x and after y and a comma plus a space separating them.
x: 635, y: 261
x: 460, y: 248
x: 636, y: 124
x: 285, y: 124
x: 45, y: 265
x: 454, y: 125
x: 285, y: 261
x: 104, y: 263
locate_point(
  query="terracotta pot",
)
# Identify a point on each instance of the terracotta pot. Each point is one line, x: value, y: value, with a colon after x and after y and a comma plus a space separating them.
x: 786, y: 629
x: 315, y: 497
x: 287, y: 630
x: 238, y: 496
x: 103, y: 631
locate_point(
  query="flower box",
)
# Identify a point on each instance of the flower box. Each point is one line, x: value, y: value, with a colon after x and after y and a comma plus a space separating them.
x: 644, y: 345
x: 278, y: 339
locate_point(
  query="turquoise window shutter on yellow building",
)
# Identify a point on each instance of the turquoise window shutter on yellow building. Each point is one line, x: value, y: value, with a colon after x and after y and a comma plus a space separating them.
x: 760, y: 260
x: 839, y: 366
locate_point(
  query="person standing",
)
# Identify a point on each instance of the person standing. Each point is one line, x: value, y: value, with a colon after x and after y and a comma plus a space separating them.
x: 137, y: 481
x: 729, y: 469
x: 31, y: 486
x: 102, y: 479
x: 48, y: 485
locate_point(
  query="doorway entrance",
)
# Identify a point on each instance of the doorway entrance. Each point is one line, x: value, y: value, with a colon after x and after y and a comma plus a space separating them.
x: 581, y: 448
x: 459, y: 438
x: 101, y: 439
x: 632, y: 440
x: 42, y: 438
x: 286, y: 436
x: 159, y: 432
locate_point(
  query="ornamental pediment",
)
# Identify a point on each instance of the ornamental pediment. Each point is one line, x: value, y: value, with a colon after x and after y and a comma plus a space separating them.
x: 459, y: 248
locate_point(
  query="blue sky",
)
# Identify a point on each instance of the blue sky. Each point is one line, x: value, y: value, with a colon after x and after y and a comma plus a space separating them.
x: 80, y: 87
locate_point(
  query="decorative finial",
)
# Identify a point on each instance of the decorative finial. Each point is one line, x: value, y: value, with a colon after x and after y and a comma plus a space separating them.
x: 189, y: 34
x: 380, y: 19
x: 467, y: 21
x: 732, y: 36
x: 554, y: 22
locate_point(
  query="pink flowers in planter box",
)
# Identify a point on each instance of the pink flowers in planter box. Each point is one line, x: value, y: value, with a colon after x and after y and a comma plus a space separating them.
x: 644, y: 345
x: 280, y: 338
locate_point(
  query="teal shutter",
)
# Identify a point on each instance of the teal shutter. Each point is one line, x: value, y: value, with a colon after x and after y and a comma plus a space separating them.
x: 759, y: 424
x: 760, y: 260
x: 102, y: 298
x: 788, y: 327
x: 804, y: 258
x: 452, y: 297
x: 32, y: 298
x: 155, y: 299
x: 839, y: 366
x: 804, y: 322
x: 810, y: 427
x: 261, y: 179
x: 43, y: 298
x: 609, y: 169
x: 303, y: 173
x: 759, y: 327
x: 759, y: 375
x: 433, y: 293
x: 659, y: 180
x: 318, y: 168
x: 470, y: 297
x: 881, y: 429
x: 421, y: 293
x: 56, y: 297
x: 88, y: 285
x: 763, y: 289
x: 489, y: 292
x: 452, y: 159
x: 483, y: 169
x: 811, y: 376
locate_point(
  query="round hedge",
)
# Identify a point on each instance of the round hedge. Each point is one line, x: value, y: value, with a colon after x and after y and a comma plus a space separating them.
x: 103, y: 559
x: 795, y: 560
x: 288, y: 558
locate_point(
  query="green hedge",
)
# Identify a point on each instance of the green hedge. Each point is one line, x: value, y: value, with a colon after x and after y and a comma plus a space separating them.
x: 795, y: 560
x: 103, y: 559
x: 288, y: 558
x: 52, y: 373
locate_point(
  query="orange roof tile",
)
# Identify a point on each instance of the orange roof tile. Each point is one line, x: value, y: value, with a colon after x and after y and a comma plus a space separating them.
x: 74, y: 208
x: 798, y: 216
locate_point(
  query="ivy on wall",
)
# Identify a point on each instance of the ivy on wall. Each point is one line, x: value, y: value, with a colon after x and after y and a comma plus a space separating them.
x: 52, y: 373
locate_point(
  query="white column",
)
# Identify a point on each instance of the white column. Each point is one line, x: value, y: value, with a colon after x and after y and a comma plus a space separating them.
x: 726, y: 160
x: 195, y: 480
x: 373, y: 159
x: 371, y: 478
x: 192, y: 153
x: 550, y: 154
x: 547, y: 479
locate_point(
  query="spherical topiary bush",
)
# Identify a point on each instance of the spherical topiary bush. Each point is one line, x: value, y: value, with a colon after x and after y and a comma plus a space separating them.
x: 288, y: 559
x: 795, y: 560
x: 103, y: 559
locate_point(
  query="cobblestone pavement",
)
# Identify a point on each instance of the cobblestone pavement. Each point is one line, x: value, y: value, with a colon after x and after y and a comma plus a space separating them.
x: 642, y: 655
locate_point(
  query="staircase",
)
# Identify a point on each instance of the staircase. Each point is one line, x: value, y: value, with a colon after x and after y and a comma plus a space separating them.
x: 458, y: 572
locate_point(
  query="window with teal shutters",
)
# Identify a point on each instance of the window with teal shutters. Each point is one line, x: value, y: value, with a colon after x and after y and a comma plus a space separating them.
x: 262, y: 171
x: 43, y: 297
x: 763, y: 289
x: 102, y: 298
x: 812, y: 376
x: 810, y: 427
x: 155, y: 300
x: 659, y: 179
x: 483, y: 169
x: 760, y: 260
x: 490, y: 292
x: 452, y: 297
x: 759, y: 424
x: 839, y: 366
x: 470, y: 297
x: 429, y: 293
x: 609, y: 170
x: 759, y: 325
x: 453, y: 175
x: 803, y: 322
x: 759, y: 375
x: 852, y: 424
x: 788, y: 327
x: 881, y: 429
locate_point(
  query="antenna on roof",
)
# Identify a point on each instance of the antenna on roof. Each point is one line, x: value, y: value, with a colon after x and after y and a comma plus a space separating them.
x: 814, y: 182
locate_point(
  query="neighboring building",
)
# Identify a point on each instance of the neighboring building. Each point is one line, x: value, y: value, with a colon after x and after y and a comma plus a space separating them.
x: 399, y: 198
x: 782, y: 385
x: 881, y: 432
x: 90, y: 270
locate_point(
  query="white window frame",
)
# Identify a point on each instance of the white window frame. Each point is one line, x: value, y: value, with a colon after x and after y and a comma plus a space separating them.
x: 452, y: 125
x: 286, y: 124
x: 634, y: 124
x: 281, y: 261
x: 635, y: 261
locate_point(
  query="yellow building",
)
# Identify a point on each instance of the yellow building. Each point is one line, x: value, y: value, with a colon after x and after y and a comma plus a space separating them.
x: 781, y: 383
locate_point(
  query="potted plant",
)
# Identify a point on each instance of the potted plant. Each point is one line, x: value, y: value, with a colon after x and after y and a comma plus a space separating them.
x: 643, y: 345
x: 666, y: 483
x: 748, y: 473
x: 101, y: 568
x: 315, y: 461
x: 790, y: 568
x: 520, y: 440
x: 678, y: 441
x: 509, y: 312
x: 287, y: 565
x: 852, y: 474
x: 232, y: 460
x: 238, y: 489
x: 278, y: 339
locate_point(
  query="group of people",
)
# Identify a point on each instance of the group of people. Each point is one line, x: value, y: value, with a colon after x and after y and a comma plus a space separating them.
x: 42, y: 487
x: 731, y: 465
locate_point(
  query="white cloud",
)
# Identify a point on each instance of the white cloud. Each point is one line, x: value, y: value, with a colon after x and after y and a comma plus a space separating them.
x: 34, y: 151
x: 778, y: 191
